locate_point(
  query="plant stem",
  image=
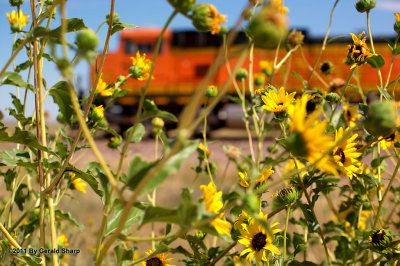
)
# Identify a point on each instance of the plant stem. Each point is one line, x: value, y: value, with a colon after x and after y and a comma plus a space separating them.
x: 373, y: 48
x: 284, y: 233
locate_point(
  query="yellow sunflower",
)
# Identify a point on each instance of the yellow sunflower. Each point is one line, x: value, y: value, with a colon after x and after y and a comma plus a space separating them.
x: 267, y: 172
x: 101, y: 88
x: 214, y: 205
x: 358, y: 52
x: 308, y: 133
x: 78, y: 185
x: 157, y: 260
x: 277, y: 102
x: 257, y: 240
x: 17, y: 18
x: 351, y: 114
x: 144, y: 64
x: 201, y: 148
x: 346, y: 154
x: 216, y: 20
x: 240, y: 220
x: 389, y: 141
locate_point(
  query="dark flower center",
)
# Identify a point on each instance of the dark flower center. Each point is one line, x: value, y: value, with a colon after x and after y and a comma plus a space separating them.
x: 378, y: 236
x: 348, y: 115
x: 341, y: 154
x: 259, y: 241
x: 154, y: 262
x: 357, y: 54
x: 285, y: 191
x: 325, y: 67
x: 310, y: 107
x: 279, y: 103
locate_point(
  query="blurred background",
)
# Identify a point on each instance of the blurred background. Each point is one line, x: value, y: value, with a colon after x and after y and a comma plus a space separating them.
x: 310, y: 15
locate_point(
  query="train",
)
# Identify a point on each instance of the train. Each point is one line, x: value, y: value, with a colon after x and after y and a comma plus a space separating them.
x: 185, y: 57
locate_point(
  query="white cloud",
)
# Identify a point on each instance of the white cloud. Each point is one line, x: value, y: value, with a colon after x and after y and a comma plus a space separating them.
x: 393, y: 6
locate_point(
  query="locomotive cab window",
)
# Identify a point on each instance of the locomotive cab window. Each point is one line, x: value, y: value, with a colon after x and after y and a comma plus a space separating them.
x: 132, y: 47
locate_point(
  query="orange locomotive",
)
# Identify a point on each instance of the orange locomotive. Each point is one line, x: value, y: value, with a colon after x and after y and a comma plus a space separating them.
x: 185, y: 57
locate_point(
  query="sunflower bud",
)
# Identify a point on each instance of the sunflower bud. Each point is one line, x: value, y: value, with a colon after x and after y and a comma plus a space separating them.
x: 267, y: 28
x: 206, y: 18
x: 114, y: 142
x: 149, y: 105
x: 211, y: 91
x: 326, y: 67
x: 288, y: 195
x: 365, y: 5
x: 380, y: 239
x: 396, y: 25
x: 115, y: 18
x: 16, y: 2
x: 136, y: 71
x: 98, y: 113
x: 15, y: 27
x: 295, y: 38
x: 87, y: 40
x: 296, y: 145
x: 183, y: 6
x: 332, y: 97
x: 241, y: 74
x: 381, y: 118
x: 223, y: 31
x: 200, y: 235
x: 157, y: 122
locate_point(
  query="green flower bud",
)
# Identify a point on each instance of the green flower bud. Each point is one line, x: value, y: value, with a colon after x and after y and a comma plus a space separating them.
x: 211, y: 91
x: 326, y: 67
x: 365, y: 5
x: 223, y: 31
x: 136, y: 71
x: 87, y: 40
x: 396, y: 25
x: 114, y: 142
x: 97, y: 113
x: 16, y: 2
x: 251, y: 202
x: 332, y: 97
x: 15, y: 27
x: 157, y: 122
x: 183, y: 6
x: 241, y: 74
x: 149, y: 105
x: 380, y: 239
x: 206, y: 18
x: 200, y: 235
x: 115, y: 18
x: 267, y: 28
x: 288, y: 195
x: 102, y: 123
x: 296, y: 145
x: 381, y: 118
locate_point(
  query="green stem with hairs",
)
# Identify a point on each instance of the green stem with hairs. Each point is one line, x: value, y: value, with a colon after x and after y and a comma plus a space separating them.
x: 285, y: 231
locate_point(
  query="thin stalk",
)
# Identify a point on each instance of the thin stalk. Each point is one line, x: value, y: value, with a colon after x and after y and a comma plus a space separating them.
x: 323, y: 43
x: 8, y: 236
x: 391, y: 63
x: 223, y: 253
x: 373, y: 48
x: 342, y: 94
x: 285, y: 231
x: 378, y: 213
x: 246, y: 118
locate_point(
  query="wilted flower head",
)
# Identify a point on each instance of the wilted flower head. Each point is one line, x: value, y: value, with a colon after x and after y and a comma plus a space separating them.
x: 295, y: 38
x: 206, y: 18
x: 358, y: 52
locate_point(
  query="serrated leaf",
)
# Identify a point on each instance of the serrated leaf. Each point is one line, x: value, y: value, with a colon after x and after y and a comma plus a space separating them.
x: 335, y: 39
x: 138, y: 134
x: 121, y: 26
x: 376, y: 61
x: 134, y: 216
x: 68, y: 217
x: 60, y: 95
x: 26, y: 138
x: 13, y: 78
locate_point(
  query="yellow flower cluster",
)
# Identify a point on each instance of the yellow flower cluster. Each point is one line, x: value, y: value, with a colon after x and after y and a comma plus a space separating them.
x: 245, y: 181
x: 17, y: 18
x: 143, y: 63
x: 214, y: 205
x: 277, y: 102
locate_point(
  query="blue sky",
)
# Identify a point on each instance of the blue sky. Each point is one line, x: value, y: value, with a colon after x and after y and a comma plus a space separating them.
x: 312, y: 15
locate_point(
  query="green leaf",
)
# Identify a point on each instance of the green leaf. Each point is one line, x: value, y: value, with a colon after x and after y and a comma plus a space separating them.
x: 12, y: 78
x: 376, y: 61
x: 123, y: 254
x: 335, y: 39
x: 26, y: 138
x: 138, y: 134
x: 88, y: 178
x: 32, y: 260
x: 296, y: 75
x: 137, y: 170
x: 60, y: 95
x: 17, y: 103
x: 121, y: 26
x: 22, y: 66
x: 134, y: 216
x: 13, y: 157
x: 160, y: 113
x: 187, y: 211
x: 377, y: 161
x: 21, y: 196
x: 384, y: 93
x: 68, y: 217
x: 73, y: 24
x: 160, y: 214
x: 396, y: 51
